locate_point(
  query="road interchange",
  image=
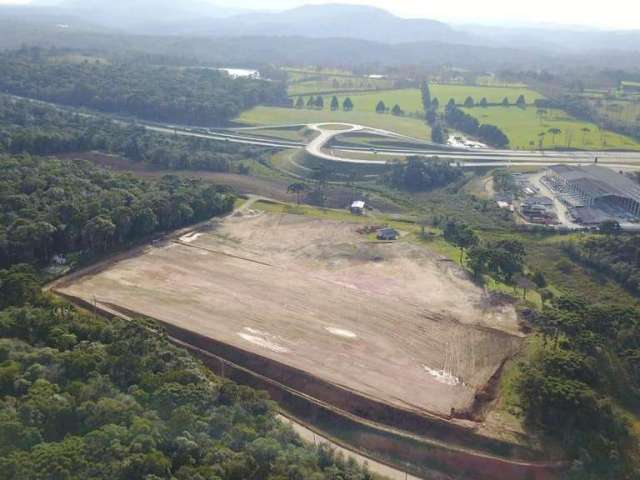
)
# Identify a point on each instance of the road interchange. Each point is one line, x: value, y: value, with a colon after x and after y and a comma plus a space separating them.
x: 320, y: 146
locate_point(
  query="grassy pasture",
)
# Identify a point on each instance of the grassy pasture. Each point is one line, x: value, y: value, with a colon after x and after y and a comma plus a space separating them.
x: 304, y: 81
x: 281, y: 116
x: 337, y: 84
x: 410, y: 99
x: 523, y: 126
x: 493, y: 94
x: 620, y: 110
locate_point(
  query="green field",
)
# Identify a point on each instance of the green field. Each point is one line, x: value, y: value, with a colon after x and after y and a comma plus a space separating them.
x: 493, y: 94
x: 337, y: 84
x: 284, y: 116
x: 410, y: 99
x: 307, y: 80
x: 523, y: 126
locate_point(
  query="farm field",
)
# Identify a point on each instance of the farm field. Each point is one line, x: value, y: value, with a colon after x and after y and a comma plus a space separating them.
x: 493, y: 94
x: 522, y: 126
x: 337, y: 84
x: 283, y: 116
x: 410, y: 99
x: 305, y: 81
x: 394, y: 322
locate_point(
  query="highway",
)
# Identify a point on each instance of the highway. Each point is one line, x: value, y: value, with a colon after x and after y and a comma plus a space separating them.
x: 466, y: 156
x: 341, y: 153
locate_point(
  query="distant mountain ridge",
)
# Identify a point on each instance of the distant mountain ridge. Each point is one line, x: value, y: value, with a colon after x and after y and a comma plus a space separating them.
x: 339, y: 21
x: 201, y: 18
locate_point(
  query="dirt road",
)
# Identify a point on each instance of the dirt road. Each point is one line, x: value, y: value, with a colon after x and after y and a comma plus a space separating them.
x: 374, y: 466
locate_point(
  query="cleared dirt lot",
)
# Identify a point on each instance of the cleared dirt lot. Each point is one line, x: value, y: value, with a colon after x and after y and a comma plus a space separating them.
x: 389, y: 321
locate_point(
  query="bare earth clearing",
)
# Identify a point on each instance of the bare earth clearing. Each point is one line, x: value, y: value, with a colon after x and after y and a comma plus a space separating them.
x: 390, y: 321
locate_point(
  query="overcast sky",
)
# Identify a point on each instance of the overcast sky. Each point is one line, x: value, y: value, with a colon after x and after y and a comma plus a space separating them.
x: 622, y: 14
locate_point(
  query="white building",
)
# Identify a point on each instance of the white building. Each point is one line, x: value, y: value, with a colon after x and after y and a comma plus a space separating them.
x: 357, y: 207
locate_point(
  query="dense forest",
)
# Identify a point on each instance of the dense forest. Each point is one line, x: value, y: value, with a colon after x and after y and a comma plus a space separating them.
x: 417, y: 175
x: 580, y: 382
x: 578, y: 385
x: 49, y: 207
x: 84, y: 398
x: 40, y: 129
x: 613, y: 255
x: 489, y: 134
x: 195, y: 96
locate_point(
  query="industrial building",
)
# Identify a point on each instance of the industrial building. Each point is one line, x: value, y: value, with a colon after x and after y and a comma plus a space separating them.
x: 539, y: 209
x: 630, y: 87
x: 595, y: 187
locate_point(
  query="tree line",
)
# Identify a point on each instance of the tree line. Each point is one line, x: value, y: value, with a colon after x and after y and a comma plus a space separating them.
x: 50, y: 206
x: 317, y: 103
x: 469, y: 102
x: 502, y: 259
x: 457, y: 119
x: 37, y: 129
x: 417, y: 175
x: 132, y: 86
x: 489, y: 134
x: 396, y: 111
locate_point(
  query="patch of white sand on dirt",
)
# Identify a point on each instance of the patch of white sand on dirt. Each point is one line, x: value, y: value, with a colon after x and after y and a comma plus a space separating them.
x: 443, y: 377
x: 262, y: 339
x: 190, y: 237
x: 340, y: 332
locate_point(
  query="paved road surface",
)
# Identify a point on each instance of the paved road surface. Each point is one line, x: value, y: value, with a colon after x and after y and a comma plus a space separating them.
x: 467, y: 157
x: 471, y: 157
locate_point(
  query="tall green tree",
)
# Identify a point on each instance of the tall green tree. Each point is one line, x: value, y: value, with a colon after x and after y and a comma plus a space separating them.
x: 426, y: 96
x: 461, y: 235
x: 99, y: 233
x: 554, y: 131
x: 335, y: 105
x: 492, y: 135
x: 297, y: 189
x: 347, y: 105
x: 437, y: 134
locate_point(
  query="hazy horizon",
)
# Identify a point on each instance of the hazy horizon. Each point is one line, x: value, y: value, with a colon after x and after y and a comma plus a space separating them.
x: 620, y: 14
